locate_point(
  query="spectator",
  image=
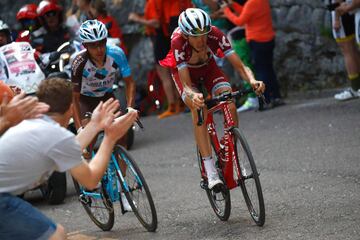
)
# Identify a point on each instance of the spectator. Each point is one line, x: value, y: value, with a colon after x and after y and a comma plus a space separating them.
x: 84, y: 8
x: 47, y: 145
x: 255, y: 15
x: 98, y: 11
x: 28, y: 19
x: 161, y: 19
x: 5, y: 34
x: 52, y: 33
x: 344, y: 33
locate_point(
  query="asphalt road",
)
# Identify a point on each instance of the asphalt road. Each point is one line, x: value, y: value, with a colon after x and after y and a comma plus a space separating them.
x: 308, y: 155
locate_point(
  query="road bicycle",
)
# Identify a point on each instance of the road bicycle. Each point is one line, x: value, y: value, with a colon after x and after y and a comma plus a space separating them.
x: 122, y: 178
x: 233, y: 160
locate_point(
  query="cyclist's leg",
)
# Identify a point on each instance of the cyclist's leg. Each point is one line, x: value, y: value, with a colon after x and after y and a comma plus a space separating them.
x: 201, y: 136
x: 216, y: 83
x: 87, y: 104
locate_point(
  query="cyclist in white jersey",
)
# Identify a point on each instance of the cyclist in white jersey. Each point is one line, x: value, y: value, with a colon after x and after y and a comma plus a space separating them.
x: 95, y: 69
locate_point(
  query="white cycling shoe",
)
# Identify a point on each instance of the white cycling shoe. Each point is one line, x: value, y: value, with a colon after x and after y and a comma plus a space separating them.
x: 347, y: 94
x: 125, y: 203
x: 214, y: 180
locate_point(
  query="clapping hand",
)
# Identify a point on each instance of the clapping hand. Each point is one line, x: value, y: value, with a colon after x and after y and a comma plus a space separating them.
x: 105, y: 113
x: 120, y: 125
x: 20, y: 108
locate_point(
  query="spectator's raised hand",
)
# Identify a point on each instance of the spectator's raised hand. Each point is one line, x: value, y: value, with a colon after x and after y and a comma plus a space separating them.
x: 105, y: 113
x: 120, y: 125
x: 19, y: 108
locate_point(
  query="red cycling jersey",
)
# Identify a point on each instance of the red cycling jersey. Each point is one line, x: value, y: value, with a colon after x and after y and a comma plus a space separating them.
x: 209, y: 73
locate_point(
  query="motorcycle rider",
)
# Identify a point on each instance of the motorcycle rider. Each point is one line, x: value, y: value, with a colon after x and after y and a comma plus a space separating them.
x: 28, y: 18
x: 5, y: 34
x: 52, y: 33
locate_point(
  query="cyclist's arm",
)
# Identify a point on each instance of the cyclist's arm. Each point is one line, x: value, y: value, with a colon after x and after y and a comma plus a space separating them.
x: 76, y: 79
x: 76, y: 109
x: 130, y: 91
x: 244, y: 71
x: 189, y: 96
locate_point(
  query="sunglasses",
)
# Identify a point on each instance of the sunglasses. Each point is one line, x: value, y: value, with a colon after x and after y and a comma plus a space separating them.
x: 94, y: 45
x: 50, y: 14
x: 28, y: 22
x: 198, y: 31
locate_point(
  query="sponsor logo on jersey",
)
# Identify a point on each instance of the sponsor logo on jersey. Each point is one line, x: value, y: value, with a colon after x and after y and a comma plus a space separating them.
x: 179, y: 56
x: 224, y: 43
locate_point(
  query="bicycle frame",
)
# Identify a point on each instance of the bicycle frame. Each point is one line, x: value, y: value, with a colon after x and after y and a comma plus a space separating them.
x: 226, y: 153
x: 112, y: 186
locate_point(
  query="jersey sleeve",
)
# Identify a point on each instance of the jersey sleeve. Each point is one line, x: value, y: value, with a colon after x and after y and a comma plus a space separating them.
x: 77, y: 67
x: 220, y: 41
x: 178, y: 52
x: 120, y: 60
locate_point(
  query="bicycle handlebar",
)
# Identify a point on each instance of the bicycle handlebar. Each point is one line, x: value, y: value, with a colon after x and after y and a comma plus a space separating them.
x: 224, y: 97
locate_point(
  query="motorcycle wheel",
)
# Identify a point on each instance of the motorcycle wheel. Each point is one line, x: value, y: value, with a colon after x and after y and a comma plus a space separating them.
x: 54, y: 191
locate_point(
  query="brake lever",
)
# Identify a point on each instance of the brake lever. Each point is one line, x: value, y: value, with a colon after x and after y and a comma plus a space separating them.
x: 137, y: 121
x: 200, y: 117
x: 141, y: 126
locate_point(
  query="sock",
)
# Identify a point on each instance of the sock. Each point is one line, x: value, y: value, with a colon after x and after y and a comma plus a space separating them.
x: 209, y: 165
x: 355, y: 81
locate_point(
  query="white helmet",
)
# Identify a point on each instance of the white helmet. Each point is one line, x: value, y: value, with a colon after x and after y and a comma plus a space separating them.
x: 194, y: 22
x: 92, y: 31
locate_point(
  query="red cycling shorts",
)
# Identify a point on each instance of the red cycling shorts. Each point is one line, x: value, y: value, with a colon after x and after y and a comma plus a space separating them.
x: 208, y: 75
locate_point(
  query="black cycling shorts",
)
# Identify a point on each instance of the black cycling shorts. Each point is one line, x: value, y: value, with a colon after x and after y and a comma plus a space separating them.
x: 88, y: 104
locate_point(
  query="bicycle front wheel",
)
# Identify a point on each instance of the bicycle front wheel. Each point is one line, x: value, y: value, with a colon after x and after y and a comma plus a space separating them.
x: 136, y: 189
x: 249, y: 180
x: 97, y: 205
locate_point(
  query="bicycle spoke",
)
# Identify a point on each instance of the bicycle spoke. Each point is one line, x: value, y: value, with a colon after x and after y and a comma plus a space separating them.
x: 137, y: 191
x: 97, y: 206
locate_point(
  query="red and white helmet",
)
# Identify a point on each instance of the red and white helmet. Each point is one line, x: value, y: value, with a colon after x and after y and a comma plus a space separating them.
x: 27, y: 11
x: 194, y: 22
x: 47, y: 6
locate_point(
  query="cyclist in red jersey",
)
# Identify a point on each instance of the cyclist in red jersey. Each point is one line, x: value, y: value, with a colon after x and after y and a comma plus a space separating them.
x: 193, y: 46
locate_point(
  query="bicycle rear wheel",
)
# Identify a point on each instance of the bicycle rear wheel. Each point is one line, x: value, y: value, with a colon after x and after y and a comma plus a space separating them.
x: 249, y: 180
x: 219, y: 200
x: 136, y: 190
x: 97, y: 205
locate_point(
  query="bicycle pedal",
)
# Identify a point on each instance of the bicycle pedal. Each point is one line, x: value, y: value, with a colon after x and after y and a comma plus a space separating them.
x: 84, y: 200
